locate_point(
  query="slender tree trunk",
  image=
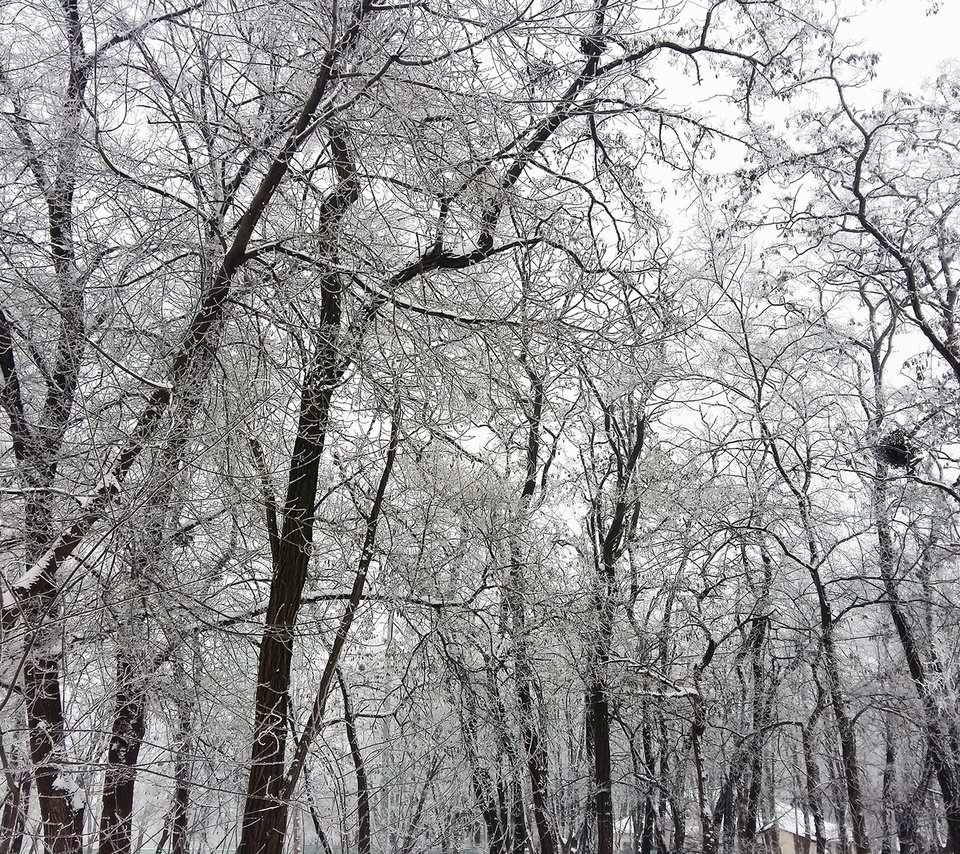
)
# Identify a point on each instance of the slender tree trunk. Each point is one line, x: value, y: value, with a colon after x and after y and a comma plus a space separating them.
x: 13, y: 818
x: 537, y: 767
x: 126, y: 736
x: 679, y: 828
x: 838, y: 790
x: 887, y: 788
x: 845, y: 731
x: 134, y: 661
x: 708, y: 831
x: 519, y: 837
x: 363, y: 790
x: 611, y: 535
x: 598, y: 700
x: 535, y: 753
x: 831, y: 666
x: 265, y: 810
x: 908, y: 815
x: 643, y: 812
x: 943, y: 738
x: 265, y: 813
x: 812, y: 777
x: 698, y: 729
x: 493, y: 819
x: 761, y: 705
x: 648, y: 834
x: 648, y: 838
x: 182, y: 780
x: 600, y: 731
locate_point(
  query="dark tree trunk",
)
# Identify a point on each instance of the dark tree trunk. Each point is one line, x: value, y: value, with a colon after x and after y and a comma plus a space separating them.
x: 611, y: 536
x: 265, y: 811
x: 698, y: 728
x: 182, y: 780
x: 943, y: 738
x: 602, y: 777
x: 126, y: 736
x: 648, y: 837
x: 908, y: 815
x: 845, y: 731
x: 649, y: 827
x: 679, y: 827
x: 363, y: 790
x: 536, y: 755
x: 831, y: 666
x: 493, y: 820
x: 537, y: 767
x: 812, y: 777
x: 761, y: 707
x: 13, y: 819
x: 887, y: 789
x: 61, y: 809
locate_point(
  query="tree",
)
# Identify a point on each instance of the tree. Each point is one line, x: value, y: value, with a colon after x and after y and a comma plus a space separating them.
x: 338, y: 348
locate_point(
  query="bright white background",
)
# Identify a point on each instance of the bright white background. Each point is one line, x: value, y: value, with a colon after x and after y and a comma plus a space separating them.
x: 911, y: 43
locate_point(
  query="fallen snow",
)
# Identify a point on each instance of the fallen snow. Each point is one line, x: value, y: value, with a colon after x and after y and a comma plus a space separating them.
x: 791, y: 819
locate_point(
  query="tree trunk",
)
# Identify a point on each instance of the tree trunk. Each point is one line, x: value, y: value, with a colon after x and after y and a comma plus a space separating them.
x: 698, y: 728
x: 493, y: 819
x: 943, y: 738
x: 603, y: 794
x: 908, y: 815
x: 887, y: 788
x: 182, y: 780
x: 845, y: 732
x: 126, y: 736
x: 812, y: 778
x: 265, y: 810
x: 761, y: 706
x: 61, y: 805
x: 831, y: 666
x: 536, y: 755
x: 13, y: 819
x: 363, y: 791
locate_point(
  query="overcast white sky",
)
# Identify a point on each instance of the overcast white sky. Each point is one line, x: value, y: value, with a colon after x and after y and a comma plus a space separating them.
x: 911, y: 44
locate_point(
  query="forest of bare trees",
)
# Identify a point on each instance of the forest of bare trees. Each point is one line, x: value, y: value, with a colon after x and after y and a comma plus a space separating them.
x: 475, y: 427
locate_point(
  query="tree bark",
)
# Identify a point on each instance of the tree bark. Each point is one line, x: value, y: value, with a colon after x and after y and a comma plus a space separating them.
x: 269, y: 786
x: 942, y: 735
x: 812, y: 775
x: 610, y: 537
x: 182, y: 781
x: 534, y: 750
x: 13, y: 818
x: 363, y: 790
x: 698, y: 728
x: 126, y: 736
x: 265, y: 811
x: 61, y: 806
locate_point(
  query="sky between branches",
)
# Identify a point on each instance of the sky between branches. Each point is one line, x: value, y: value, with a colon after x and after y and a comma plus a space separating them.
x: 912, y: 44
